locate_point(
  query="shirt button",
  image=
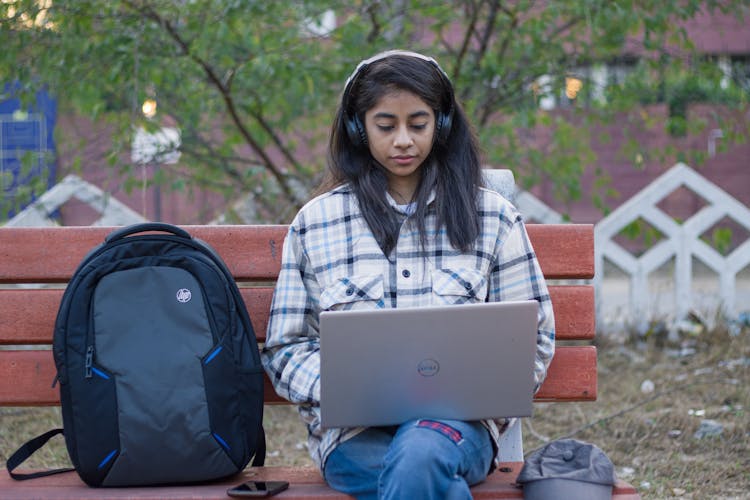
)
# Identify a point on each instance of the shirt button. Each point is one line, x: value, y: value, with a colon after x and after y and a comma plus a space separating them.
x: 405, y: 273
x: 467, y: 286
x: 350, y: 290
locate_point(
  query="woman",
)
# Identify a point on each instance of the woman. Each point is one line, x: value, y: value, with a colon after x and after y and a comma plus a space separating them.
x: 405, y: 224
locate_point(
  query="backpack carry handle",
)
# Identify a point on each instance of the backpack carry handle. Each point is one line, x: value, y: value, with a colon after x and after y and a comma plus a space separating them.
x: 147, y: 226
x: 28, y: 449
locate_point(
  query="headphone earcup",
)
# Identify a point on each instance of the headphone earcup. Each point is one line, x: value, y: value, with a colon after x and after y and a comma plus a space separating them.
x: 443, y: 123
x: 356, y: 131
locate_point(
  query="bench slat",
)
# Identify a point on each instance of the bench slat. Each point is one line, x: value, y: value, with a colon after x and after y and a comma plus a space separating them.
x: 27, y: 377
x: 575, y: 317
x: 49, y: 255
x: 41, y: 255
x: 28, y: 316
x: 572, y: 376
x: 306, y: 483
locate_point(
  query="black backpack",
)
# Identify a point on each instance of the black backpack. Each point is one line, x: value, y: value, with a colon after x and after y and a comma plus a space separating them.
x: 159, y: 371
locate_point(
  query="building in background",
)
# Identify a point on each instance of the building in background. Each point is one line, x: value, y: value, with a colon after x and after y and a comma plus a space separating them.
x: 27, y: 149
x: 642, y: 144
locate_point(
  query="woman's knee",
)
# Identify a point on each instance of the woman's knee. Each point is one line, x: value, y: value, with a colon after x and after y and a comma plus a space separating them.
x: 443, y: 447
x: 425, y: 445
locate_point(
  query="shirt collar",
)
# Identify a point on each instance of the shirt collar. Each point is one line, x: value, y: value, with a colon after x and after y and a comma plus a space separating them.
x: 407, y: 209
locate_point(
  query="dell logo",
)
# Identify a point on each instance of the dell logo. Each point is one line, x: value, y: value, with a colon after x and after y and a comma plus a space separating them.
x: 184, y: 295
x: 428, y: 367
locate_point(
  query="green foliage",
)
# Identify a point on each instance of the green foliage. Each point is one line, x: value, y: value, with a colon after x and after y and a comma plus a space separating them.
x: 253, y: 87
x: 642, y: 235
x: 678, y: 87
x: 30, y: 181
x: 720, y: 240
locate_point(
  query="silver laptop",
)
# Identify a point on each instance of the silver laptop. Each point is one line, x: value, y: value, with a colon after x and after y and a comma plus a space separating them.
x: 464, y: 362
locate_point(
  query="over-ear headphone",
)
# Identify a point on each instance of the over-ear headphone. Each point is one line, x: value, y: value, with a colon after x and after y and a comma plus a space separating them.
x: 355, y: 130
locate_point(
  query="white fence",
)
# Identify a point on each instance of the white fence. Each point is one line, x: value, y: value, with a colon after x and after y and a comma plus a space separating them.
x: 663, y: 282
x: 41, y: 212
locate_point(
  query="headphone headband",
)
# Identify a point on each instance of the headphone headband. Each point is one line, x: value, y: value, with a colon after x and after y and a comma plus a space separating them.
x: 388, y: 53
x: 354, y: 127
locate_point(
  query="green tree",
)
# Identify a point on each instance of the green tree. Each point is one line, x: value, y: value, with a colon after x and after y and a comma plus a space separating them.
x: 252, y: 85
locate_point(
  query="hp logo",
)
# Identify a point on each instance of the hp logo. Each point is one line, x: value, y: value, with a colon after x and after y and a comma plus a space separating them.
x: 184, y: 295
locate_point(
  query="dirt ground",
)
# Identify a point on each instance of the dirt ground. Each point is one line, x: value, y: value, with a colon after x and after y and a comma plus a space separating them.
x: 654, y: 401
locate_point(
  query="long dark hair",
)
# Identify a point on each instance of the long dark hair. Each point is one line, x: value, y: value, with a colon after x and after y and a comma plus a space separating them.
x: 452, y: 168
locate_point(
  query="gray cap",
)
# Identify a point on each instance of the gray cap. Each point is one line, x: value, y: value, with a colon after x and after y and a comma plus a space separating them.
x: 567, y: 468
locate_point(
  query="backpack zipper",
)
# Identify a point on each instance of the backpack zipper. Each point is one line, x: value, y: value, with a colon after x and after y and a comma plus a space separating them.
x: 88, y: 371
x: 89, y: 361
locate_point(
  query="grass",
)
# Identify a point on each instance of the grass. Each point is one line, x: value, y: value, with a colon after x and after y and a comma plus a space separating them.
x: 649, y: 436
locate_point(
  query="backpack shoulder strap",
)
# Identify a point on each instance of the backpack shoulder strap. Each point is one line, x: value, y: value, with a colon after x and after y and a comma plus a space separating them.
x: 260, y: 453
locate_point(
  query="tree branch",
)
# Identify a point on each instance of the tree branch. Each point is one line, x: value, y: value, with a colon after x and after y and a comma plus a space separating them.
x: 371, y: 11
x: 470, y: 30
x: 210, y: 73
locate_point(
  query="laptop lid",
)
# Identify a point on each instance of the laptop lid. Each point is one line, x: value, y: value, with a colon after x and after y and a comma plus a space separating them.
x: 463, y: 362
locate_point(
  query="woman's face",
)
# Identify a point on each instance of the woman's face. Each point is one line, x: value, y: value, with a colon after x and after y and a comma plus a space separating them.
x: 400, y: 131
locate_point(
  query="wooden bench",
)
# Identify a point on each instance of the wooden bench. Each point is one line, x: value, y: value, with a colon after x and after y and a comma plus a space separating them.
x: 50, y: 255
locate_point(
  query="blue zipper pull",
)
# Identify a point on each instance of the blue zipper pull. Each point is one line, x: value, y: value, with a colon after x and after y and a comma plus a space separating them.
x: 89, y: 361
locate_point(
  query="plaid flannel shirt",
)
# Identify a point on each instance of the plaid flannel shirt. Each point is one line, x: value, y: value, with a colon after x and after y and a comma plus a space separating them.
x: 332, y: 261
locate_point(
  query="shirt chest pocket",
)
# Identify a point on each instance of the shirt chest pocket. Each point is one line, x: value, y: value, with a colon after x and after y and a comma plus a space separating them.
x: 458, y: 286
x: 354, y: 292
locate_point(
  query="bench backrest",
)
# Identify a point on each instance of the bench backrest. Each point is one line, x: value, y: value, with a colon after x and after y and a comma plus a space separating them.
x: 42, y: 260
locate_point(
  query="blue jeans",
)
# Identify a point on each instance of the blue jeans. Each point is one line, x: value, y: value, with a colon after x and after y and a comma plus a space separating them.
x: 424, y: 459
